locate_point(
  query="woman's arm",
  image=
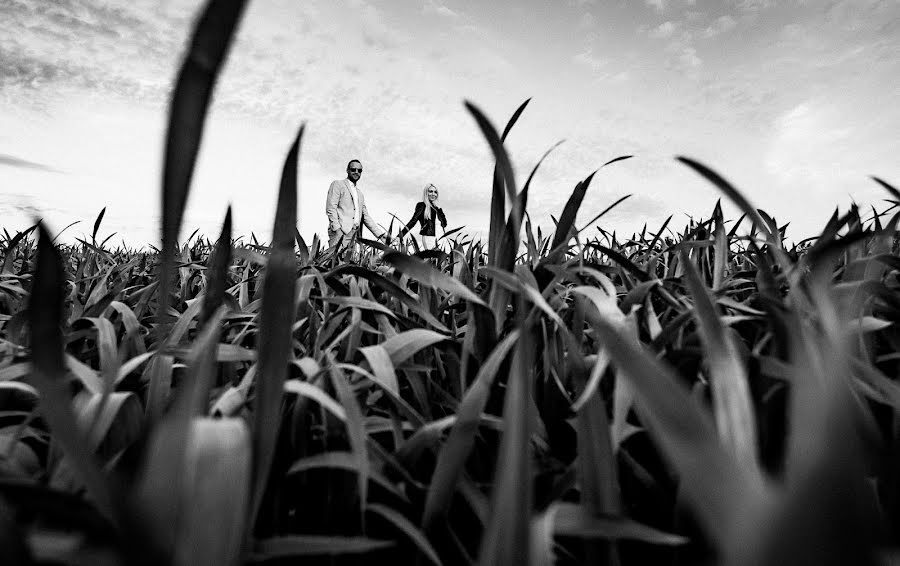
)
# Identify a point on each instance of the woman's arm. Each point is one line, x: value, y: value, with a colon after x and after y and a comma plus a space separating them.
x: 420, y: 209
x: 443, y: 218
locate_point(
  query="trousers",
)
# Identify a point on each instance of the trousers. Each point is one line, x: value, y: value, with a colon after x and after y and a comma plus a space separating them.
x: 338, y: 240
x: 429, y: 242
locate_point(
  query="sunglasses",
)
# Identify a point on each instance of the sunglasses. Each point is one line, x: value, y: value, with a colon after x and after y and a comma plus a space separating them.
x: 356, y: 169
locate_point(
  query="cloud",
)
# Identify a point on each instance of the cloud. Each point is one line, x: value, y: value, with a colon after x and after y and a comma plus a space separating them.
x: 433, y: 7
x: 587, y: 21
x: 376, y: 31
x: 126, y: 50
x: 687, y: 58
x: 681, y: 54
x: 402, y: 113
x: 588, y: 59
x: 721, y: 25
x: 807, y: 143
x: 663, y: 30
x: 694, y: 15
x: 752, y: 5
x: 828, y: 45
x: 13, y: 161
x: 820, y: 153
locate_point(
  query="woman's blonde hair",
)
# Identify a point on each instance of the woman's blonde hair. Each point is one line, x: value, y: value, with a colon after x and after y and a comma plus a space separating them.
x: 425, y: 199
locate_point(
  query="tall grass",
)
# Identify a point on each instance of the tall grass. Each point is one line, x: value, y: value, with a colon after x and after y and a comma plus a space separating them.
x: 682, y: 397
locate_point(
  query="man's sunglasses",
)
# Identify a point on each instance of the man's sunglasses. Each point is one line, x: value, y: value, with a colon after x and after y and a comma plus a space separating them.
x: 356, y: 169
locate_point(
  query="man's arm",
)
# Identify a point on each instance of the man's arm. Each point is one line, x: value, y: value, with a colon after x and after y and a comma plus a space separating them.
x: 370, y: 222
x: 331, y: 204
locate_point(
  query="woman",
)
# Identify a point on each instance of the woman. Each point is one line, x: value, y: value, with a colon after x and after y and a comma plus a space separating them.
x: 426, y: 214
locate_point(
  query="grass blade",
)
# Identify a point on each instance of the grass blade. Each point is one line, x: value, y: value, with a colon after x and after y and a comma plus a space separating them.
x: 296, y: 546
x: 504, y: 166
x: 406, y: 527
x: 391, y: 288
x: 825, y: 456
x: 11, y: 248
x: 210, y: 40
x: 453, y: 455
x: 733, y: 409
x: 425, y: 274
x: 570, y: 211
x: 309, y: 390
x: 571, y: 520
x: 339, y: 460
x: 509, y: 244
x: 97, y: 226
x: 498, y: 197
x: 710, y: 478
x: 276, y: 321
x: 406, y: 344
x: 356, y: 431
x: 217, y: 272
x: 626, y: 263
x: 720, y: 261
x: 217, y: 469
x: 382, y: 367
x: 161, y: 482
x: 732, y: 193
x: 616, y: 160
x: 889, y: 188
x: 45, y: 315
x: 506, y: 540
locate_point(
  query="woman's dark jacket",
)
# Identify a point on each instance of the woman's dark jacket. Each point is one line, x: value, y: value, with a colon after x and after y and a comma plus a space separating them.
x: 427, y: 223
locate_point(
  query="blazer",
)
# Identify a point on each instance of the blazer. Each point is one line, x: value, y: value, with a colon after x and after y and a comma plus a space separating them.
x: 339, y: 209
x: 428, y: 224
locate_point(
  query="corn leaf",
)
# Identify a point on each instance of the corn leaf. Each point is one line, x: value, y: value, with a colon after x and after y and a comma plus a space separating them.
x: 733, y: 409
x: 408, y: 529
x: 498, y: 197
x: 45, y: 314
x: 506, y: 540
x: 453, y: 455
x: 427, y: 275
x: 218, y: 270
x: 356, y: 431
x: 687, y: 437
x: 296, y: 546
x: 275, y: 328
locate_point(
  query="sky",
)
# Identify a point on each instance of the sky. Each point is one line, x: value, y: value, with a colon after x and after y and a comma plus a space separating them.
x: 796, y: 102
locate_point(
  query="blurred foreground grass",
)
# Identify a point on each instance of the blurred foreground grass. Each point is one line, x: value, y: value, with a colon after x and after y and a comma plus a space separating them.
x: 704, y: 396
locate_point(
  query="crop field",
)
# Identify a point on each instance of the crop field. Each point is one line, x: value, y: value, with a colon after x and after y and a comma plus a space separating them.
x: 705, y: 394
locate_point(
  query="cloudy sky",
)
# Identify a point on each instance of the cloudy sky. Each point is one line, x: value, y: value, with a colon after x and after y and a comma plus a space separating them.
x: 795, y: 101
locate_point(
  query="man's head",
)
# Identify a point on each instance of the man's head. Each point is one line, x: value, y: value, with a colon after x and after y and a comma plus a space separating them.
x: 354, y: 170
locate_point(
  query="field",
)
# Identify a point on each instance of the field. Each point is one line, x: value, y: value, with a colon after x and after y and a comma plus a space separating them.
x: 706, y: 395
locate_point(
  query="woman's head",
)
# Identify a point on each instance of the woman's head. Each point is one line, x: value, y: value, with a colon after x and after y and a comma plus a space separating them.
x: 430, y: 194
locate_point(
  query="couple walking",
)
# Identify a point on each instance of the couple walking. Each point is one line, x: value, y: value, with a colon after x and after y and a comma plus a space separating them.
x: 346, y: 210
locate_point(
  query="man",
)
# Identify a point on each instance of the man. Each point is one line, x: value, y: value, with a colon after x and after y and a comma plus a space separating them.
x: 346, y: 208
